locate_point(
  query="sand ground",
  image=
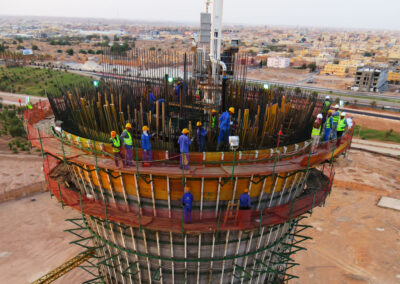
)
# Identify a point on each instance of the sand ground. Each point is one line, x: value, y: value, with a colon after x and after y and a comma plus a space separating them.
x: 354, y: 240
x: 19, y: 170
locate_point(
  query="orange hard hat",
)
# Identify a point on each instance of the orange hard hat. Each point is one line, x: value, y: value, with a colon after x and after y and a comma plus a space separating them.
x: 185, y: 131
x: 231, y: 110
x: 198, y: 124
x: 187, y: 188
x: 145, y: 128
x: 113, y: 134
x: 246, y: 190
x: 213, y: 111
x: 128, y: 125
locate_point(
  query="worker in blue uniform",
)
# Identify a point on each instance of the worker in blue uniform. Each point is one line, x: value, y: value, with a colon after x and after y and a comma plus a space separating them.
x: 187, y: 200
x: 178, y: 91
x: 224, y: 122
x: 146, y: 145
x: 244, y: 208
x: 201, y: 136
x: 152, y: 102
x: 184, y: 143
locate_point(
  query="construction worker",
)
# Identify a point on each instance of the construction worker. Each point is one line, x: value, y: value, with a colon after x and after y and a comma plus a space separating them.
x: 342, y: 125
x: 184, y: 143
x: 187, y: 200
x: 178, y: 91
x: 116, y: 145
x: 326, y: 105
x: 146, y: 146
x: 335, y: 121
x: 328, y: 125
x: 244, y: 207
x: 201, y: 136
x: 213, y: 125
x: 199, y: 94
x: 213, y: 118
x: 152, y: 102
x: 316, y: 132
x: 126, y: 136
x: 224, y: 122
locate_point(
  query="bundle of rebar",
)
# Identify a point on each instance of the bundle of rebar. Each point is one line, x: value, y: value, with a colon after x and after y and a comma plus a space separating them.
x: 160, y: 90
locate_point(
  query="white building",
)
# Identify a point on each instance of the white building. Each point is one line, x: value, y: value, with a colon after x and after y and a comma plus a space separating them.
x: 278, y: 62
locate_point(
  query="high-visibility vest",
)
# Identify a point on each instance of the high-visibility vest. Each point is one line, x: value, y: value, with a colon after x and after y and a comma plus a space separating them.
x: 116, y: 143
x: 326, y: 106
x: 212, y: 121
x: 316, y: 131
x: 328, y: 122
x: 341, y: 125
x: 128, y: 141
x: 335, y: 118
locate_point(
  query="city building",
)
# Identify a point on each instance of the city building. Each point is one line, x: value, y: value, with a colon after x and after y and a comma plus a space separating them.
x: 335, y: 69
x: 370, y: 79
x: 278, y: 62
x: 394, y: 77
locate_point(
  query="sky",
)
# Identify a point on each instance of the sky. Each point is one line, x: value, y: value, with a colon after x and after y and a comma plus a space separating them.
x: 369, y: 14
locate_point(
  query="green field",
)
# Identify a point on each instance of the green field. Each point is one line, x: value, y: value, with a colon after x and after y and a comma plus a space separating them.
x: 35, y: 81
x: 378, y: 135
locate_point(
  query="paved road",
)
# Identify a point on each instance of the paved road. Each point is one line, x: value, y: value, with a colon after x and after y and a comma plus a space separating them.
x: 374, y: 114
x: 377, y: 147
x: 327, y: 90
x: 12, y: 99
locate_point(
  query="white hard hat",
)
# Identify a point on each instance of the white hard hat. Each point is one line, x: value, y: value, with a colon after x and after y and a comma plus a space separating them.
x: 319, y: 115
x: 343, y: 114
x: 327, y: 97
x: 336, y: 106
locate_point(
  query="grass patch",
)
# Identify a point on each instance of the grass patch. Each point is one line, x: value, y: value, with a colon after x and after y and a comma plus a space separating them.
x: 378, y: 135
x: 35, y: 81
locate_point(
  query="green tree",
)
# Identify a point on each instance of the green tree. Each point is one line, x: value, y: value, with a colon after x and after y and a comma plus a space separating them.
x: 19, y: 39
x: 99, y: 51
x: 373, y: 104
x: 312, y: 67
x: 70, y: 51
x: 152, y: 48
x: 59, y: 51
x: 90, y: 51
x: 35, y: 47
x: 20, y: 47
x: 82, y: 51
x: 3, y: 47
x: 367, y: 54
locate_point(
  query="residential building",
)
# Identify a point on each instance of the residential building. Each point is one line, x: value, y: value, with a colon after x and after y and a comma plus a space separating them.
x: 394, y: 77
x: 278, y: 62
x: 335, y: 69
x: 370, y: 79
